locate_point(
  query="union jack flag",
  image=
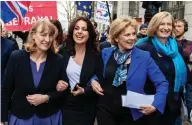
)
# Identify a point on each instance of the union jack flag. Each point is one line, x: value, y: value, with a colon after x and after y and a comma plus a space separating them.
x: 14, y: 9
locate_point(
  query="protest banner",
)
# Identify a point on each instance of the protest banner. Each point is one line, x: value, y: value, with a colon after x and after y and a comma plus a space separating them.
x: 102, y: 14
x: 37, y: 10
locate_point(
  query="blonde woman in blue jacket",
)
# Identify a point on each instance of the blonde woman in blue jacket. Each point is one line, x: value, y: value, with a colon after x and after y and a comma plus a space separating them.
x: 124, y: 67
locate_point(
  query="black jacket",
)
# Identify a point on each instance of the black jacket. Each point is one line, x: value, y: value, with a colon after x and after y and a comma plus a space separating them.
x: 18, y: 83
x: 84, y: 102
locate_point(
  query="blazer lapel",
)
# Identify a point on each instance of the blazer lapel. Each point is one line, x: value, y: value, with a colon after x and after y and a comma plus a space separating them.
x: 47, y: 69
x: 87, y: 64
x: 27, y: 67
x: 135, y: 62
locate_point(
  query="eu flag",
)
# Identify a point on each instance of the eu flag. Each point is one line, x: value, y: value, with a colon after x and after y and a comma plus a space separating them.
x: 84, y: 6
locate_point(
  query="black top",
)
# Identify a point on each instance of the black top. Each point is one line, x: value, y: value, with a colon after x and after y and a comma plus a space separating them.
x: 112, y: 95
x: 18, y: 83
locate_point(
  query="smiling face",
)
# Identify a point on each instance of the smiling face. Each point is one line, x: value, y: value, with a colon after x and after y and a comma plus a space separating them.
x: 126, y: 38
x: 165, y: 28
x: 80, y: 32
x: 43, y: 39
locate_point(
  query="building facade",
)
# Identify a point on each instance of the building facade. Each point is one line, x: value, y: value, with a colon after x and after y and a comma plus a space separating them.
x: 179, y: 9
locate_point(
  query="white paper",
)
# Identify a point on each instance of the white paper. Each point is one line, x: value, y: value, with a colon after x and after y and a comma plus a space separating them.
x: 135, y: 100
x: 184, y: 113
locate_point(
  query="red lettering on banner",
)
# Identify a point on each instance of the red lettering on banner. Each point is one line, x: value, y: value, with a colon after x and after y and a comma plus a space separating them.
x: 37, y: 10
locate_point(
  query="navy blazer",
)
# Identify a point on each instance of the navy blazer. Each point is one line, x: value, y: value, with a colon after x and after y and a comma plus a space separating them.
x: 142, y: 66
x: 18, y: 83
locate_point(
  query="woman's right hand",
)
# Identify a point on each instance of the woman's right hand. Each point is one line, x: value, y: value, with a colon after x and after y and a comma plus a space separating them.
x: 96, y: 87
x: 61, y: 86
x: 2, y: 123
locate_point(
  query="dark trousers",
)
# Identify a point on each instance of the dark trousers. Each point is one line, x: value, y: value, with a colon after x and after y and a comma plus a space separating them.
x: 71, y: 117
x: 106, y: 117
x: 169, y: 116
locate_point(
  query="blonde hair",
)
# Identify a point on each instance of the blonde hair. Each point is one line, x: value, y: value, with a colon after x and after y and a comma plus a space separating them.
x: 118, y: 25
x: 30, y: 45
x: 156, y: 21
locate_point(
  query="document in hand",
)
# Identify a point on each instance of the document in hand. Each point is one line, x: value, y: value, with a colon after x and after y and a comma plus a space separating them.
x: 135, y: 100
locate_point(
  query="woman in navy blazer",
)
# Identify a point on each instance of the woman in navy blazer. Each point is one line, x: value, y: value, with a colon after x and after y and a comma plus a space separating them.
x: 80, y: 59
x: 29, y: 95
x: 126, y: 67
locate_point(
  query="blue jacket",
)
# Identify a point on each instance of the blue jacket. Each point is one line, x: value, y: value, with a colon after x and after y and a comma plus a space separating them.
x: 142, y: 66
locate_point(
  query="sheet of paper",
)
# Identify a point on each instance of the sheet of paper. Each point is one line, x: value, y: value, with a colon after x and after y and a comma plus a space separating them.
x: 135, y: 100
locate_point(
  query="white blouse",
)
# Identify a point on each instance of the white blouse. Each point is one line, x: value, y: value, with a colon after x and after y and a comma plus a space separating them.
x: 73, y: 72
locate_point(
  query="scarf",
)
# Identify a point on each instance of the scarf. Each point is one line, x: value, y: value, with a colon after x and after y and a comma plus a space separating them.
x: 121, y: 72
x: 171, y: 50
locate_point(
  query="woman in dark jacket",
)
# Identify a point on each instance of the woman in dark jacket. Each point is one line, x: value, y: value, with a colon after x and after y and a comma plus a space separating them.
x: 168, y: 56
x: 80, y: 55
x: 28, y: 89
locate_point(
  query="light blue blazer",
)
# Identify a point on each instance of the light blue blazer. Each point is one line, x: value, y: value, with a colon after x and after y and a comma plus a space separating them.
x: 142, y: 66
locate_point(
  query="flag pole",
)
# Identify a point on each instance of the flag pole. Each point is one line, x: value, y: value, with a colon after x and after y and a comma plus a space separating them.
x: 108, y: 11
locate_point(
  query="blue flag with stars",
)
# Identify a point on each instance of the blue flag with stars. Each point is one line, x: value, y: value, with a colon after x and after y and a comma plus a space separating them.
x: 84, y: 6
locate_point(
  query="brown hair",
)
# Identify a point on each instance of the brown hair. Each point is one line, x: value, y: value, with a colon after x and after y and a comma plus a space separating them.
x: 117, y: 26
x: 59, y: 38
x: 156, y: 21
x: 30, y: 45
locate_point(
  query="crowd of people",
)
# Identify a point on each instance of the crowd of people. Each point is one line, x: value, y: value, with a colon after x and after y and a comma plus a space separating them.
x: 75, y: 78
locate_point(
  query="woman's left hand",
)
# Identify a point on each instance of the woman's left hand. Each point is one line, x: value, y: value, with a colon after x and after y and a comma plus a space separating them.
x: 79, y: 91
x: 37, y: 99
x: 147, y: 109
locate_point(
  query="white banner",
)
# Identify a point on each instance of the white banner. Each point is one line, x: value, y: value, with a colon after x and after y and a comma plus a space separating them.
x: 102, y: 15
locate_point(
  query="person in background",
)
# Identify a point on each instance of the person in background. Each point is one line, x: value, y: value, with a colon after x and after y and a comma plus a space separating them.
x: 7, y: 47
x: 180, y: 28
x: 104, y: 35
x: 28, y: 91
x: 124, y: 68
x: 142, y: 31
x: 6, y: 35
x: 23, y: 35
x: 106, y: 43
x: 64, y: 36
x: 168, y: 56
x: 97, y: 32
x: 59, y: 38
x: 80, y: 54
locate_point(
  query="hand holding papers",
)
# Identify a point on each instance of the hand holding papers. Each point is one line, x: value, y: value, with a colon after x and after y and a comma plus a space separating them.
x: 136, y: 100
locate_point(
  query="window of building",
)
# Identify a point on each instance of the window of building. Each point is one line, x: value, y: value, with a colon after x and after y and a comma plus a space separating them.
x: 133, y: 8
x: 176, y: 8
